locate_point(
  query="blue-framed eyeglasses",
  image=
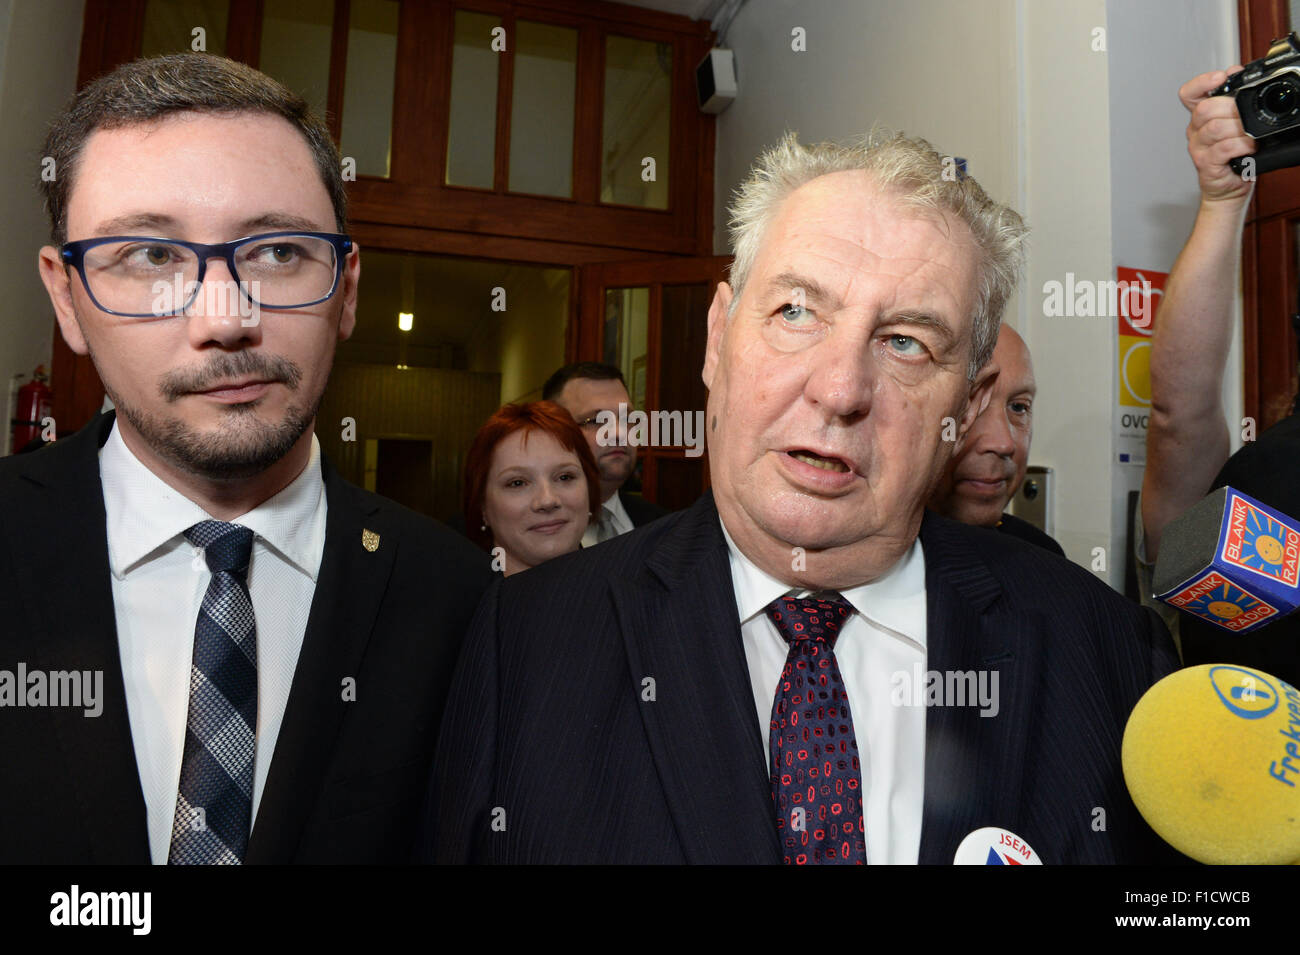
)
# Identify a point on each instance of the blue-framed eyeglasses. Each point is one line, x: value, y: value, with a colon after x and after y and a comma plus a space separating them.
x: 145, y: 277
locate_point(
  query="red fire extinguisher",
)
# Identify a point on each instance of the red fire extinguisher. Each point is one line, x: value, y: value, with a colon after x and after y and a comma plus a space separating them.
x: 35, y: 402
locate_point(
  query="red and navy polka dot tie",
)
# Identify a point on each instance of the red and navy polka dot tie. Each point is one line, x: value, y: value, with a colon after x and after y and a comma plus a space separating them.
x: 816, y: 776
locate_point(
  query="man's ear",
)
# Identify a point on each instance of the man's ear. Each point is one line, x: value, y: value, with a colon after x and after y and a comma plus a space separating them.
x: 58, y: 279
x: 981, y: 390
x: 717, y: 325
x: 351, y: 282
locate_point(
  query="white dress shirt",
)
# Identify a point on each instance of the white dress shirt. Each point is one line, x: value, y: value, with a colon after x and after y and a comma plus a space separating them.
x: 159, y: 580
x: 884, y: 637
x: 613, y: 521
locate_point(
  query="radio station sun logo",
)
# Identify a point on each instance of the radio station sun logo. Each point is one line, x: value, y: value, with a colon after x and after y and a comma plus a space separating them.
x: 1260, y: 543
x: 1220, y: 601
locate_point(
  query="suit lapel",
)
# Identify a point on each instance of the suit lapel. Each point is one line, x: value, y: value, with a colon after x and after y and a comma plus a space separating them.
x: 681, y: 628
x: 349, y: 591
x: 61, y: 547
x: 973, y: 763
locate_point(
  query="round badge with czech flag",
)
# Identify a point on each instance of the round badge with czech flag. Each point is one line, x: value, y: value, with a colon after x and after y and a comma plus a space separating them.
x: 994, y: 846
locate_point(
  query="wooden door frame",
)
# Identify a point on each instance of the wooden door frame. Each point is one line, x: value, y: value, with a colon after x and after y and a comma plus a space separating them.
x: 668, y: 270
x: 1268, y: 251
x: 592, y: 281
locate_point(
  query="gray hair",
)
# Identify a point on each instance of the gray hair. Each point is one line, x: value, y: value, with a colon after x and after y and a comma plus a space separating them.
x: 920, y: 177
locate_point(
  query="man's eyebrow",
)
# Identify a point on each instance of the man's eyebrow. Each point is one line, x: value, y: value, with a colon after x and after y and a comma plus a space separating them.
x: 925, y: 320
x: 164, y: 226
x: 815, y: 291
x: 135, y: 222
x: 812, y: 289
x: 279, y: 222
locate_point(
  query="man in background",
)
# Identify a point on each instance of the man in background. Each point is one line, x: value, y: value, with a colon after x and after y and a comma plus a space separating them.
x: 987, y: 471
x: 585, y: 389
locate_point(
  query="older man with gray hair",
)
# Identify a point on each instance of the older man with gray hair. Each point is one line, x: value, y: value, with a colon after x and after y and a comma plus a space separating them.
x: 807, y: 666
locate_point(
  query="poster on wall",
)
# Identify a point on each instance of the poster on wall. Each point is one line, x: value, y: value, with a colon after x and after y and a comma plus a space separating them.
x: 1139, y: 295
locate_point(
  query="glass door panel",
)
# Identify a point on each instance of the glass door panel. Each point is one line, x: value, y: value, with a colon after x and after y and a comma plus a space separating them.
x: 295, y: 48
x: 542, y: 109
x: 472, y: 134
x: 170, y: 25
x: 368, y: 85
x: 638, y: 112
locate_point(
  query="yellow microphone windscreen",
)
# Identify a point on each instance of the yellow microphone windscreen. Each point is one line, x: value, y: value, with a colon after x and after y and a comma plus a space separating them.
x: 1212, y: 760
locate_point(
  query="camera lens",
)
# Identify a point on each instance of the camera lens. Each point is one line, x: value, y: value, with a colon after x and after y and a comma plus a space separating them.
x: 1279, y: 101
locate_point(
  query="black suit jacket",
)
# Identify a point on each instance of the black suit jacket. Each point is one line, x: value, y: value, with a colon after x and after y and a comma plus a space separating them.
x: 1015, y: 527
x: 552, y: 750
x: 347, y: 777
x: 640, y: 510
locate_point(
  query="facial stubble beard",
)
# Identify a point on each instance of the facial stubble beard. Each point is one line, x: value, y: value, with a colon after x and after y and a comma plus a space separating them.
x: 246, y: 450
x: 251, y: 446
x: 611, y: 483
x: 616, y: 473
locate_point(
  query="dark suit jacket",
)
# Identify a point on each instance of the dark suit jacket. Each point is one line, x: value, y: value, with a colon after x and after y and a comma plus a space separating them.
x: 551, y: 751
x: 640, y: 510
x: 1015, y: 527
x: 347, y: 778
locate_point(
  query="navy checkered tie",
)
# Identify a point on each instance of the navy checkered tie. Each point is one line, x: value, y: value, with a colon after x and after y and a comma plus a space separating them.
x: 214, y: 803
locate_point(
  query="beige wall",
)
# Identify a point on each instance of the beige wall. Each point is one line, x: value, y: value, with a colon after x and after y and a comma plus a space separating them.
x: 524, y: 343
x: 532, y: 344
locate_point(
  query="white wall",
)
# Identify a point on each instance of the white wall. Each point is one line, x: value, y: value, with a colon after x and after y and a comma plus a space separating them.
x: 1155, y: 47
x: 939, y: 69
x: 1065, y: 196
x: 1087, y: 145
x: 39, y: 46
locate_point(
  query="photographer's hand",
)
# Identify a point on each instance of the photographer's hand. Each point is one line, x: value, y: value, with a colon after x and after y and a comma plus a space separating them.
x: 1214, y: 136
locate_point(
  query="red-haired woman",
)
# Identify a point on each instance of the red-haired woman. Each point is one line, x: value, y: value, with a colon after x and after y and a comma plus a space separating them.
x: 531, y: 484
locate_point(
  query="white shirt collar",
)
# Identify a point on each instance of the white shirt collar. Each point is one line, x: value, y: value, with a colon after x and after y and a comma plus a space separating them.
x: 893, y: 601
x: 143, y: 512
x: 614, y: 505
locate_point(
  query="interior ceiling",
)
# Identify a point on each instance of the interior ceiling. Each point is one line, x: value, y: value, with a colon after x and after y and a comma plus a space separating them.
x: 695, y: 9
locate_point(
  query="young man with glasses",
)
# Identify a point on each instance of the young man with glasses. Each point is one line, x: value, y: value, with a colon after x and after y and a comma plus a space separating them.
x: 272, y: 664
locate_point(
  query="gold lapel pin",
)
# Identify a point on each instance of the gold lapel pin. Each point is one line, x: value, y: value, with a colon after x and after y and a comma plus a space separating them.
x: 369, y: 540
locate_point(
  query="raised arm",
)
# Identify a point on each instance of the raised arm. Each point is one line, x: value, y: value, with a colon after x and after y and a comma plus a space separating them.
x: 1187, y: 442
